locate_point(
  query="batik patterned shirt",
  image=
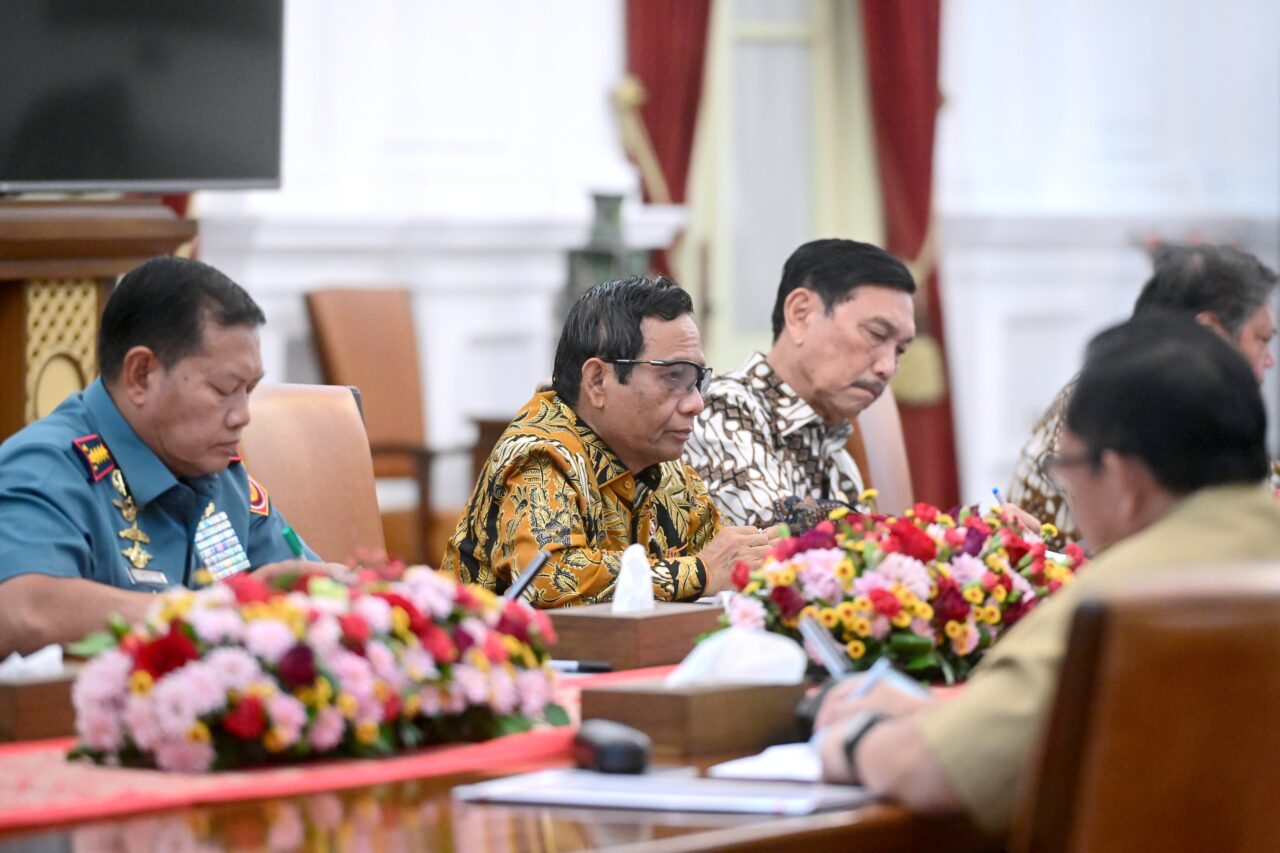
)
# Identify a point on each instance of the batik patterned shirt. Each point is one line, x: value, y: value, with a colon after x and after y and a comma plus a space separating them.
x: 757, y: 443
x: 552, y: 483
x: 1031, y: 489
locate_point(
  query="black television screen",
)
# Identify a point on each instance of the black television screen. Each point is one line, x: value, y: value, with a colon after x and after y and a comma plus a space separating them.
x: 147, y: 95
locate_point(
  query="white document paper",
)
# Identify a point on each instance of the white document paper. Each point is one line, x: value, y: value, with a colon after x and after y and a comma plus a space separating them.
x: 662, y: 792
x: 795, y: 762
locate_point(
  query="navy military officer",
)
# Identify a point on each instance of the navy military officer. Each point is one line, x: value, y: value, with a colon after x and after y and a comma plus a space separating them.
x: 135, y: 485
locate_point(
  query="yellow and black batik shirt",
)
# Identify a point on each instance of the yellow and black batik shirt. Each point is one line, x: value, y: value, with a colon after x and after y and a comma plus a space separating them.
x: 551, y: 483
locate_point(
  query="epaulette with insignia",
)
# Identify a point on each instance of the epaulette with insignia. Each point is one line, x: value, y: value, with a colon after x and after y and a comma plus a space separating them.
x: 95, y: 455
x: 259, y: 502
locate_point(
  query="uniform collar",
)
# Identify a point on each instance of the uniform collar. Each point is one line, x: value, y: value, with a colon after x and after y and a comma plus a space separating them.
x: 605, y: 464
x: 791, y: 412
x: 146, y: 475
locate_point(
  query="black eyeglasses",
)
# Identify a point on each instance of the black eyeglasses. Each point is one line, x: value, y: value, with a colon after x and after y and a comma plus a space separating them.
x: 680, y: 376
x: 1051, y: 462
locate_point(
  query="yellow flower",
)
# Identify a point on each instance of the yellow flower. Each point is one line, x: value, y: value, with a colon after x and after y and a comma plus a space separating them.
x: 399, y: 620
x: 1048, y: 531
x: 366, y: 732
x: 412, y: 705
x: 844, y: 570
x: 828, y: 617
x: 868, y: 496
x: 807, y: 610
x: 973, y: 594
x: 381, y: 690
x: 751, y: 588
x: 993, y: 563
x: 953, y: 629
x: 786, y: 576
x: 945, y: 520
x: 175, y: 606
x: 862, y: 603
x: 924, y: 610
x: 274, y: 740
x: 198, y: 733
x: 141, y: 682
x: 204, y: 577
x: 347, y: 704
x: 993, y: 614
x: 323, y: 690
x: 262, y: 689
x: 999, y: 593
x: 846, y: 611
x: 856, y: 649
x: 838, y: 513
x: 902, y: 620
x: 859, y: 546
x: 862, y: 626
x: 305, y: 695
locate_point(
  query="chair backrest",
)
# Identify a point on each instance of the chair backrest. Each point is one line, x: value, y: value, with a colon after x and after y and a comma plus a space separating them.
x: 307, y: 445
x: 879, y: 449
x: 365, y: 337
x: 1163, y: 733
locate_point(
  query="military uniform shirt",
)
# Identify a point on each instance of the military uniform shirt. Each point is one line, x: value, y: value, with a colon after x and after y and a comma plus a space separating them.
x: 552, y: 483
x: 58, y: 511
x: 984, y: 738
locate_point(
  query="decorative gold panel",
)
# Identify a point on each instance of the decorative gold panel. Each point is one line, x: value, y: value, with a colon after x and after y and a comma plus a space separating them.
x: 62, y: 333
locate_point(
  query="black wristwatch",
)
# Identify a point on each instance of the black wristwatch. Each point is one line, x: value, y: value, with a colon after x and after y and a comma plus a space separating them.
x: 857, y: 728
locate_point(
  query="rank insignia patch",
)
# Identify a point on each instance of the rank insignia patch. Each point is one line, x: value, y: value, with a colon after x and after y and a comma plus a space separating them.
x: 95, y: 455
x: 259, y: 503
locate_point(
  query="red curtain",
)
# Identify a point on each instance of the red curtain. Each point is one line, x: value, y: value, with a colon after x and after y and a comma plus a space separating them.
x: 902, y: 62
x: 666, y: 46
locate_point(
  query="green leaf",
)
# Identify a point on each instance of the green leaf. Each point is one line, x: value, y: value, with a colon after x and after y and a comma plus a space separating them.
x: 98, y: 641
x: 514, y: 724
x: 555, y: 715
x: 948, y: 671
x: 909, y: 645
x: 784, y: 531
x: 919, y: 662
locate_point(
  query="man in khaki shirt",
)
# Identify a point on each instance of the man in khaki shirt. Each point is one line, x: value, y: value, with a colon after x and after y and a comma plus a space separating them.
x: 1161, y: 458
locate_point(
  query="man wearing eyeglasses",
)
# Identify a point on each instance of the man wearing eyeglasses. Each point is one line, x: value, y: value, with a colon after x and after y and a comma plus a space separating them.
x: 1161, y: 457
x: 592, y: 465
x: 777, y: 427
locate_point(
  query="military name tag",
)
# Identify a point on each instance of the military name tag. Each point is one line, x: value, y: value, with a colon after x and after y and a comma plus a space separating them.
x: 219, y: 547
x: 151, y: 577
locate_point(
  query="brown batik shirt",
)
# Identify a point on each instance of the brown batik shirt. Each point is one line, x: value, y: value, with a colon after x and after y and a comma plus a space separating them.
x: 758, y: 442
x: 551, y: 483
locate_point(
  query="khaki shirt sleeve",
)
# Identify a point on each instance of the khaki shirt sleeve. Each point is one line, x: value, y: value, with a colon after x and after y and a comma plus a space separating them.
x: 984, y: 737
x: 541, y: 509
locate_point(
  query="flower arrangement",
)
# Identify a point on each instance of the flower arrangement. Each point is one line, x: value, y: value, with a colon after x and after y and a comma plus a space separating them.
x: 931, y: 591
x: 248, y: 672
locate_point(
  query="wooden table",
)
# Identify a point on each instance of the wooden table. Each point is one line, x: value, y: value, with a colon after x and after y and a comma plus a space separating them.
x: 422, y: 815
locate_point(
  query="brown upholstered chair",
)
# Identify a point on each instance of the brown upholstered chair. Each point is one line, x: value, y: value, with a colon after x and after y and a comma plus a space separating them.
x: 1163, y: 734
x: 365, y: 337
x: 307, y: 446
x: 878, y: 448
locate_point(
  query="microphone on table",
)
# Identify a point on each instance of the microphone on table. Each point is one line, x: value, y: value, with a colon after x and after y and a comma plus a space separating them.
x: 517, y: 589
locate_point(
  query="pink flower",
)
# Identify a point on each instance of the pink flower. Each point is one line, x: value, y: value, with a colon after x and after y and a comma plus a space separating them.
x: 327, y: 730
x: 235, y: 669
x: 141, y: 723
x: 966, y: 569
x: 418, y: 665
x: 174, y: 706
x: 471, y: 683
x: 744, y: 611
x: 907, y: 571
x: 216, y: 625
x: 99, y: 728
x: 431, y: 591
x: 966, y: 644
x: 184, y: 756
x: 104, y: 680
x: 817, y: 574
x: 354, y: 674
x: 503, y: 696
x: 288, y: 715
x: 880, y: 627
x: 325, y: 634
x: 534, y: 687
x: 383, y: 661
x: 269, y: 639
x: 375, y: 611
x: 432, y: 703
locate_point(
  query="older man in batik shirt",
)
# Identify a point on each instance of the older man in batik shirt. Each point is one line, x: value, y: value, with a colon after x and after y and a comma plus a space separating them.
x: 591, y: 467
x: 777, y: 428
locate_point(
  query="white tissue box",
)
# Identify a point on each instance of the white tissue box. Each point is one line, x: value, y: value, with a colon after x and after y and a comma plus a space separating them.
x: 704, y: 720
x: 656, y: 637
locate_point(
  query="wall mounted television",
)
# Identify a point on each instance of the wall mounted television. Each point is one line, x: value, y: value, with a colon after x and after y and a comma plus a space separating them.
x: 140, y: 95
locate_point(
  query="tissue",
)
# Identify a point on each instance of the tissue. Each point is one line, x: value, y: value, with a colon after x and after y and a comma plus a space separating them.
x: 634, y: 590
x: 45, y: 663
x: 741, y: 656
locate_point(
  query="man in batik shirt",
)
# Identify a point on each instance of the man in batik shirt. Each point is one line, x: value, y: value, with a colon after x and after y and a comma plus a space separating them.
x: 777, y: 428
x: 593, y: 466
x: 1218, y: 286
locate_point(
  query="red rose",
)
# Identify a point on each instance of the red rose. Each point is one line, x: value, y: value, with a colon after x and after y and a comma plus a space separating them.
x: 166, y: 653
x: 438, y: 644
x: 463, y: 640
x: 788, y: 601
x: 1074, y: 553
x: 248, y: 588
x: 925, y: 512
x: 741, y: 576
x: 913, y: 541
x: 515, y: 621
x: 416, y: 619
x: 954, y: 536
x: 974, y: 522
x: 391, y: 707
x: 465, y: 599
x: 950, y: 605
x: 247, y: 720
x: 355, y: 631
x: 1015, y: 545
x: 885, y: 602
x: 820, y: 538
x: 298, y: 667
x: 493, y: 648
x: 786, y: 549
